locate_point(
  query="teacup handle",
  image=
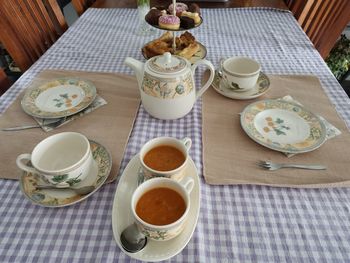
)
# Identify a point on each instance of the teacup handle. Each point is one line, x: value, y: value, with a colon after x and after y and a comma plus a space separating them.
x: 23, y: 166
x: 221, y: 62
x: 211, y: 77
x: 188, y: 184
x: 187, y: 142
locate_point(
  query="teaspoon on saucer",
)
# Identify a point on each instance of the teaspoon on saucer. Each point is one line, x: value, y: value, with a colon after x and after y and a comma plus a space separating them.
x: 81, y: 191
x: 132, y: 239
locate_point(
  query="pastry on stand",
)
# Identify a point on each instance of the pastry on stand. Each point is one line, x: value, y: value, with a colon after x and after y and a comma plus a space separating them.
x: 169, y: 22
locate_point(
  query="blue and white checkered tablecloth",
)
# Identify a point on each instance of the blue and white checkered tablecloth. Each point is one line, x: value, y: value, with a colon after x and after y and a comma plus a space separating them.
x: 236, y: 223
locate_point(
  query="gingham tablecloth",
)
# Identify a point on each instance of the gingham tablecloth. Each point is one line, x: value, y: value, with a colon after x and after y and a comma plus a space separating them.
x: 236, y: 223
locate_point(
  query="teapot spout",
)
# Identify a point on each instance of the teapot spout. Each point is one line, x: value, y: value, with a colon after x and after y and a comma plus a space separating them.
x: 138, y: 68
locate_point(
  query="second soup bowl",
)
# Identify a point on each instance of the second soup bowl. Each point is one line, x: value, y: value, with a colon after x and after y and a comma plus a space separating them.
x: 165, y: 157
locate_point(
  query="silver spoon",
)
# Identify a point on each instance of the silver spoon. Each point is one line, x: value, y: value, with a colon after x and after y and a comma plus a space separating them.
x: 132, y: 239
x: 81, y: 191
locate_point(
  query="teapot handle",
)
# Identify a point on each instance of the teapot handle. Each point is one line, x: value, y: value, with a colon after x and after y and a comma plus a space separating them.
x: 211, y: 77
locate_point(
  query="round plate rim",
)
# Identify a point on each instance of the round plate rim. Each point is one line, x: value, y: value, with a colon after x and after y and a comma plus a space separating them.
x: 217, y: 89
x: 323, y: 127
x: 91, y: 84
x: 134, y: 162
x: 83, y: 197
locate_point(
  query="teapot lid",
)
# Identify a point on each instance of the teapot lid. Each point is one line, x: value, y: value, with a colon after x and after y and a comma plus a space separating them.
x: 167, y: 64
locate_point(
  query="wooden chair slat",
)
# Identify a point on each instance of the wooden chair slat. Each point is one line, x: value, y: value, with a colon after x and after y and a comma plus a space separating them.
x: 322, y: 20
x: 38, y: 27
x: 29, y: 28
x: 80, y: 6
x: 5, y: 83
x: 310, y: 15
x: 16, y: 17
x: 14, y: 45
x: 58, y: 19
x: 336, y: 8
x: 323, y: 14
x: 330, y: 33
x: 43, y: 21
x: 298, y: 8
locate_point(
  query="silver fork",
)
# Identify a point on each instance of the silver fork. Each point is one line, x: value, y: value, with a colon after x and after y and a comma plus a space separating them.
x: 275, y: 166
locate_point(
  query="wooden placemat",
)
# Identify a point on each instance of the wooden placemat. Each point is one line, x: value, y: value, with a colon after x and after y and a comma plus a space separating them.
x: 231, y: 157
x: 109, y: 125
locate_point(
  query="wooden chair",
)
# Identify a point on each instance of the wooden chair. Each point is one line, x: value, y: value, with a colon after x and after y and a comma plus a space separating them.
x: 5, y: 83
x: 29, y: 27
x: 322, y: 20
x: 81, y: 5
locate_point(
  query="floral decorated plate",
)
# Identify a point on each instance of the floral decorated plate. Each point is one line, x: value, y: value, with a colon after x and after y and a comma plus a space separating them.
x: 122, y: 216
x: 65, y: 197
x: 59, y: 98
x: 283, y: 126
x: 200, y: 54
x: 261, y: 87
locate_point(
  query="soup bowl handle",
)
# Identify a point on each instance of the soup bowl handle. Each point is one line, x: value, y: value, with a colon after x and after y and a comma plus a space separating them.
x: 187, y: 142
x: 188, y: 184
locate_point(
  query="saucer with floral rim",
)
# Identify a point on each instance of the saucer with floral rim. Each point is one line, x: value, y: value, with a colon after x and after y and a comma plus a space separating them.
x: 64, y: 197
x: 260, y: 88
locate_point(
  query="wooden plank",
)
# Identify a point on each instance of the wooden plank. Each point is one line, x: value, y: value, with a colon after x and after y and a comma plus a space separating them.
x: 28, y: 30
x: 13, y: 44
x: 322, y: 20
x: 5, y: 83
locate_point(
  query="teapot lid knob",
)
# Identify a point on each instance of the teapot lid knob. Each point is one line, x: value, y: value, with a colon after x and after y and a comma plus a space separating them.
x: 167, y: 63
x: 167, y: 58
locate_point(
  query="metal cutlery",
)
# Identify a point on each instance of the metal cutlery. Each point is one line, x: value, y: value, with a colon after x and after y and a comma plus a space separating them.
x: 81, y: 190
x: 52, y: 123
x: 19, y: 128
x: 275, y: 166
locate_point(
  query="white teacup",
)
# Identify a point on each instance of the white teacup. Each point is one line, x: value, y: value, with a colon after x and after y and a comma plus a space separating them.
x: 169, y: 231
x: 240, y: 73
x: 63, y: 159
x: 182, y: 145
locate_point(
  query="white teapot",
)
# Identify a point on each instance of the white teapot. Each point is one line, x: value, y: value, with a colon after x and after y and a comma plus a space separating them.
x: 167, y: 84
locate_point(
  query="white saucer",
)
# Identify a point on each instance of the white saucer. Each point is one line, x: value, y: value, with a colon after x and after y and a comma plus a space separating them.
x: 65, y: 197
x: 122, y: 216
x: 260, y: 88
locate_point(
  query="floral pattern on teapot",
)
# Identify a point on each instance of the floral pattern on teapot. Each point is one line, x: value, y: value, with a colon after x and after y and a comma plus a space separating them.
x: 167, y: 88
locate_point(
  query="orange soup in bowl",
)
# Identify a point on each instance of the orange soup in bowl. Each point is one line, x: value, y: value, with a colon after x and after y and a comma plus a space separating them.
x: 160, y: 206
x: 164, y: 158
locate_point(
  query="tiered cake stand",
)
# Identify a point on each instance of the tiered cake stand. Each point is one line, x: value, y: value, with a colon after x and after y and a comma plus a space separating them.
x: 200, y: 54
